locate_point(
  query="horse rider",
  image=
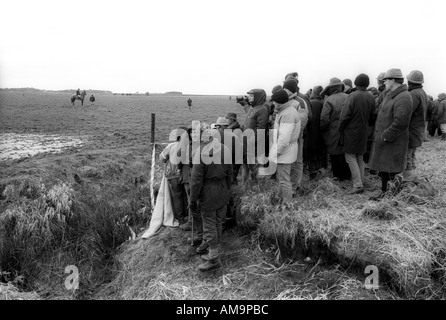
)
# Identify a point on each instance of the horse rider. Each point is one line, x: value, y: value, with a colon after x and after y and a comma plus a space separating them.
x: 78, y: 92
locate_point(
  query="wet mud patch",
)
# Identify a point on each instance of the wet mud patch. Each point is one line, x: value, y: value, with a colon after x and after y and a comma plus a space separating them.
x: 21, y: 145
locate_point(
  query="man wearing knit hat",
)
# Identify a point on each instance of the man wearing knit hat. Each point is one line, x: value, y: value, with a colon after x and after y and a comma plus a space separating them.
x: 391, y: 136
x: 354, y: 120
x: 270, y: 106
x: 329, y: 123
x: 292, y: 75
x: 284, y: 142
x: 417, y: 124
x: 348, y: 86
x: 316, y: 152
x: 290, y: 86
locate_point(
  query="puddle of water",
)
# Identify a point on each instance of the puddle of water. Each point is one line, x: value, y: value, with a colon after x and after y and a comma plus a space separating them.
x: 16, y: 145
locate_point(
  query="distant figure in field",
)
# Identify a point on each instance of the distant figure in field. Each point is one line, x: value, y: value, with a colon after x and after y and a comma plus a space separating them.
x: 79, y: 96
x: 92, y: 99
x: 189, y: 102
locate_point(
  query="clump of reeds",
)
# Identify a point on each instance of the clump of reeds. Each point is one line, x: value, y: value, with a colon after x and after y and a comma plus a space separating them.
x: 50, y: 224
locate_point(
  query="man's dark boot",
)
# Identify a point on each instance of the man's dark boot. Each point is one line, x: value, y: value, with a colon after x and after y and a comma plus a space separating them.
x: 202, y: 248
x: 197, y: 240
x: 210, y: 264
x: 378, y: 197
x: 187, y: 226
x: 443, y: 136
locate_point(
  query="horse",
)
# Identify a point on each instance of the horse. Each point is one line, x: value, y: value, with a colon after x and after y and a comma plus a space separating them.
x: 80, y: 97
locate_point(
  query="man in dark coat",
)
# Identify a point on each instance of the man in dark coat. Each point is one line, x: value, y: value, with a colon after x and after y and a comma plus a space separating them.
x: 441, y: 114
x: 270, y: 107
x: 354, y: 120
x: 210, y: 182
x: 434, y: 128
x: 314, y: 142
x: 382, y: 90
x: 329, y: 124
x: 256, y: 120
x: 417, y: 123
x: 379, y: 97
x: 430, y: 105
x: 348, y: 86
x: 234, y: 125
x: 231, y: 140
x: 391, y: 137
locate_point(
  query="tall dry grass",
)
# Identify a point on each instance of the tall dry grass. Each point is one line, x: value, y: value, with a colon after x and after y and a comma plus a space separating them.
x: 51, y: 222
x: 403, y: 236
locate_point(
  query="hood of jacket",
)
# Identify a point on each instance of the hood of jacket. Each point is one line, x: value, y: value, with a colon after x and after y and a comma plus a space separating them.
x: 259, y: 96
x: 284, y: 106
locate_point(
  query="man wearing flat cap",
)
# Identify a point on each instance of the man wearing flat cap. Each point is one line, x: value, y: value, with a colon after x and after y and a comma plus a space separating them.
x: 232, y: 119
x: 391, y: 136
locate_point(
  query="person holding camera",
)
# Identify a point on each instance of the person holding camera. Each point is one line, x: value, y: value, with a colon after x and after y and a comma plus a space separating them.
x: 256, y: 120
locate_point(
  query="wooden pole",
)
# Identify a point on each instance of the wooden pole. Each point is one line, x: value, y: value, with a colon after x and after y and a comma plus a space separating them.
x: 152, y: 171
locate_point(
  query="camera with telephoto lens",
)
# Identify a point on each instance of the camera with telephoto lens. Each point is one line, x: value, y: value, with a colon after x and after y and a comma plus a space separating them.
x: 243, y: 100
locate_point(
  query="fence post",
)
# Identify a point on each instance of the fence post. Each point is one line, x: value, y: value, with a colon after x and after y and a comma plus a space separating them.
x: 152, y: 171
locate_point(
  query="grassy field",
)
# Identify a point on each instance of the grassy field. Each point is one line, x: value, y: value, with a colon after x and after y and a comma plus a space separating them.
x: 80, y: 206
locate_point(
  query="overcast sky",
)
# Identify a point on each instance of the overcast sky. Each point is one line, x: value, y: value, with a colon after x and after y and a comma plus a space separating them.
x: 216, y: 47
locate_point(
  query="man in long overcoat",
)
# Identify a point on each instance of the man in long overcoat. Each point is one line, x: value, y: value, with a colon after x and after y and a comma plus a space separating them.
x: 391, y: 138
x: 210, y: 182
x: 330, y: 124
x: 417, y: 123
x: 314, y: 142
x: 441, y: 114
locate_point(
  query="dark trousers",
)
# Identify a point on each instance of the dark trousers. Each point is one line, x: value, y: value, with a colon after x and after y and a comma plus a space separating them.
x: 339, y: 166
x: 433, y: 128
x: 235, y: 171
x: 179, y: 198
x: 213, y: 229
x: 385, y: 178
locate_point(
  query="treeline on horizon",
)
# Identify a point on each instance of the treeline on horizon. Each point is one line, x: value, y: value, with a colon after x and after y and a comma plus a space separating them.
x: 90, y: 91
x: 68, y: 91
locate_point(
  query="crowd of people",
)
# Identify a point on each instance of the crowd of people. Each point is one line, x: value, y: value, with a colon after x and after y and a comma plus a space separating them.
x: 348, y: 125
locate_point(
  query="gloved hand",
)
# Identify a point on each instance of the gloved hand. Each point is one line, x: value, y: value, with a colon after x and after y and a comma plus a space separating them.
x: 193, y: 206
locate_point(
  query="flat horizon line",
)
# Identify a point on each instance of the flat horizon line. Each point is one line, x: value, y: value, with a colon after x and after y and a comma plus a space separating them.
x: 179, y: 93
